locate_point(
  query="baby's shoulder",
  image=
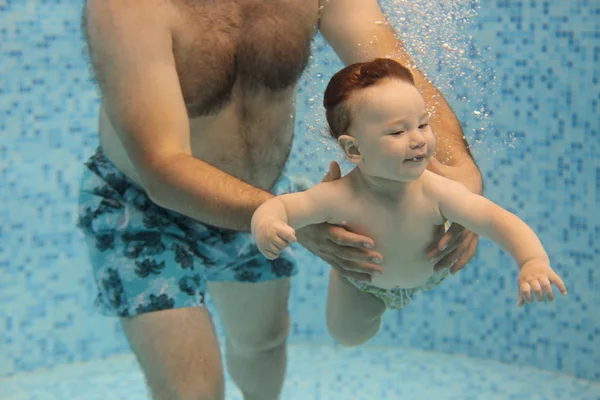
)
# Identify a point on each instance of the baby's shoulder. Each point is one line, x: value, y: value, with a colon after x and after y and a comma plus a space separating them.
x: 438, y: 187
x: 337, y: 189
x: 433, y: 183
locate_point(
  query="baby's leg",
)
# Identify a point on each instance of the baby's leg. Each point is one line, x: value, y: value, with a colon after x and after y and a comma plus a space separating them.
x: 353, y: 317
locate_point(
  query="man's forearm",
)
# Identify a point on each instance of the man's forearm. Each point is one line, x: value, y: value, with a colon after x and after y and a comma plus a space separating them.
x: 358, y: 32
x: 202, y: 192
x: 452, y: 148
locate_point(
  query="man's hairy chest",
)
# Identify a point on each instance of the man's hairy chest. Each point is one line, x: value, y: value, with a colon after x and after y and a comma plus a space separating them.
x: 250, y: 45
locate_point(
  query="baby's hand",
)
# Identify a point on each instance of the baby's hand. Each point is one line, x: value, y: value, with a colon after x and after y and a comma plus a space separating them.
x: 273, y: 236
x: 537, y: 276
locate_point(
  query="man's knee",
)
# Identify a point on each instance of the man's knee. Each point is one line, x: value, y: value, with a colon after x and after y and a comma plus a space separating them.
x: 203, y: 385
x: 178, y: 352
x: 179, y: 394
x: 266, y: 337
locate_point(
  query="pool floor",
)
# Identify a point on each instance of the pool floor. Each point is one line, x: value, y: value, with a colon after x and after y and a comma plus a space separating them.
x: 325, y: 373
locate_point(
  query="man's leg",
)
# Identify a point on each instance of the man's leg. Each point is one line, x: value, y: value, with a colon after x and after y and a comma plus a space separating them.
x: 256, y: 321
x: 178, y: 352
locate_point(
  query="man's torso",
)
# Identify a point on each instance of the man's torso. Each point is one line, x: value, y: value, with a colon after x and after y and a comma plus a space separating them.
x: 238, y: 62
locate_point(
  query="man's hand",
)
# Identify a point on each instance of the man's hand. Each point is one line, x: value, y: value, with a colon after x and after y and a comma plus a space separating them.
x: 346, y: 252
x: 454, y: 248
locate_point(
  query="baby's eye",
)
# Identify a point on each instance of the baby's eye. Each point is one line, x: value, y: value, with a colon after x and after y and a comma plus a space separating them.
x: 397, y: 133
x: 423, y: 126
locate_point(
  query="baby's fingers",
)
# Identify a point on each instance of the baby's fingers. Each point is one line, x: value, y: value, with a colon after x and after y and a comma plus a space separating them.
x: 278, y: 244
x: 520, y: 300
x: 288, y: 234
x: 536, y: 288
x: 525, y: 292
x: 558, y: 283
x: 271, y: 255
x: 546, y: 288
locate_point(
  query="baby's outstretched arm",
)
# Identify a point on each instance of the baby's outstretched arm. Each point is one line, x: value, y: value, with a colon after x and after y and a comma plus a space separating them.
x: 508, y: 231
x: 275, y: 221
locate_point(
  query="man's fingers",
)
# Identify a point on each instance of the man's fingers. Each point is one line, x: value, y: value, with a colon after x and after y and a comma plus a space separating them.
x: 344, y: 237
x: 364, y: 261
x: 432, y: 249
x: 452, y: 235
x: 357, y: 262
x: 466, y: 256
x: 455, y: 254
x: 447, y: 243
x: 459, y: 251
x: 334, y: 172
x: 352, y: 274
x: 448, y: 260
x: 359, y: 276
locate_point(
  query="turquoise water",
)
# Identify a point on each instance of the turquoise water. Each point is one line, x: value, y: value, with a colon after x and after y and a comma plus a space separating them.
x: 523, y: 78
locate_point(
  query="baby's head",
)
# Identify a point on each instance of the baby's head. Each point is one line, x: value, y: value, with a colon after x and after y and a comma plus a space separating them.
x: 379, y: 119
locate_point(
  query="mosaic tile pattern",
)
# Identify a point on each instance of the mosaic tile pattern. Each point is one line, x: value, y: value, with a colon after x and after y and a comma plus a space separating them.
x: 539, y: 155
x: 326, y: 373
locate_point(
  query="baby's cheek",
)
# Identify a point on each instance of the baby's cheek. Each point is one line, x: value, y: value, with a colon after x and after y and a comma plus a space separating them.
x: 431, y: 142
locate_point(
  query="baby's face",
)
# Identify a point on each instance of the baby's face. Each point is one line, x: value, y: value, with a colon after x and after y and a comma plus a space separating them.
x: 391, y: 126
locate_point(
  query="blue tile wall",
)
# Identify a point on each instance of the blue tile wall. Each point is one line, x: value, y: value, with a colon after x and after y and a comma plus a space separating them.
x: 521, y: 75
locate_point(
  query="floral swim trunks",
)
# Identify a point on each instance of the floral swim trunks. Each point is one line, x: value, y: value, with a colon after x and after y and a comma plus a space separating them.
x: 147, y: 258
x: 396, y: 298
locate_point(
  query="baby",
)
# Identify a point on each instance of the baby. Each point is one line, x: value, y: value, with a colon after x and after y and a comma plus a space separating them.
x: 380, y: 120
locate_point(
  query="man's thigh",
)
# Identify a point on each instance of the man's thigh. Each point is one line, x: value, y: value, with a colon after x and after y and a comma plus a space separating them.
x: 178, y: 352
x: 255, y: 315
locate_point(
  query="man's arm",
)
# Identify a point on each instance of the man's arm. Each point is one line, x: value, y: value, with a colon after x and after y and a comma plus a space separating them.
x: 130, y: 45
x: 358, y: 31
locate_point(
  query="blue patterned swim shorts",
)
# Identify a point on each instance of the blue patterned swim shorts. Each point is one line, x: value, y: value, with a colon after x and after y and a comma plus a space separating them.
x: 147, y: 258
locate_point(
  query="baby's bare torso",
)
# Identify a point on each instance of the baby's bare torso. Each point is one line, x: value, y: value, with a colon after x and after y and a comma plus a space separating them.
x: 238, y: 62
x: 401, y: 228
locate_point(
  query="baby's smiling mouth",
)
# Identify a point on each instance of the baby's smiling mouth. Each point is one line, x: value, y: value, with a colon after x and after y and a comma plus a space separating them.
x: 418, y: 158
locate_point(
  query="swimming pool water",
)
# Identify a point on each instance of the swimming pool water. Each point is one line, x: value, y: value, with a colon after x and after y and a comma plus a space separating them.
x: 326, y: 373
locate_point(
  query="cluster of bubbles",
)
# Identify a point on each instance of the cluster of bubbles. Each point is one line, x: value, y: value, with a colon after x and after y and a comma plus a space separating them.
x: 440, y: 36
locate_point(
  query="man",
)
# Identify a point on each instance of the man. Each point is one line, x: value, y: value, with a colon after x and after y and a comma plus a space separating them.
x: 196, y: 124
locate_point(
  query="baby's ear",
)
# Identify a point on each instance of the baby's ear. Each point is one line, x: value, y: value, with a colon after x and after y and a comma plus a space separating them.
x: 350, y: 148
